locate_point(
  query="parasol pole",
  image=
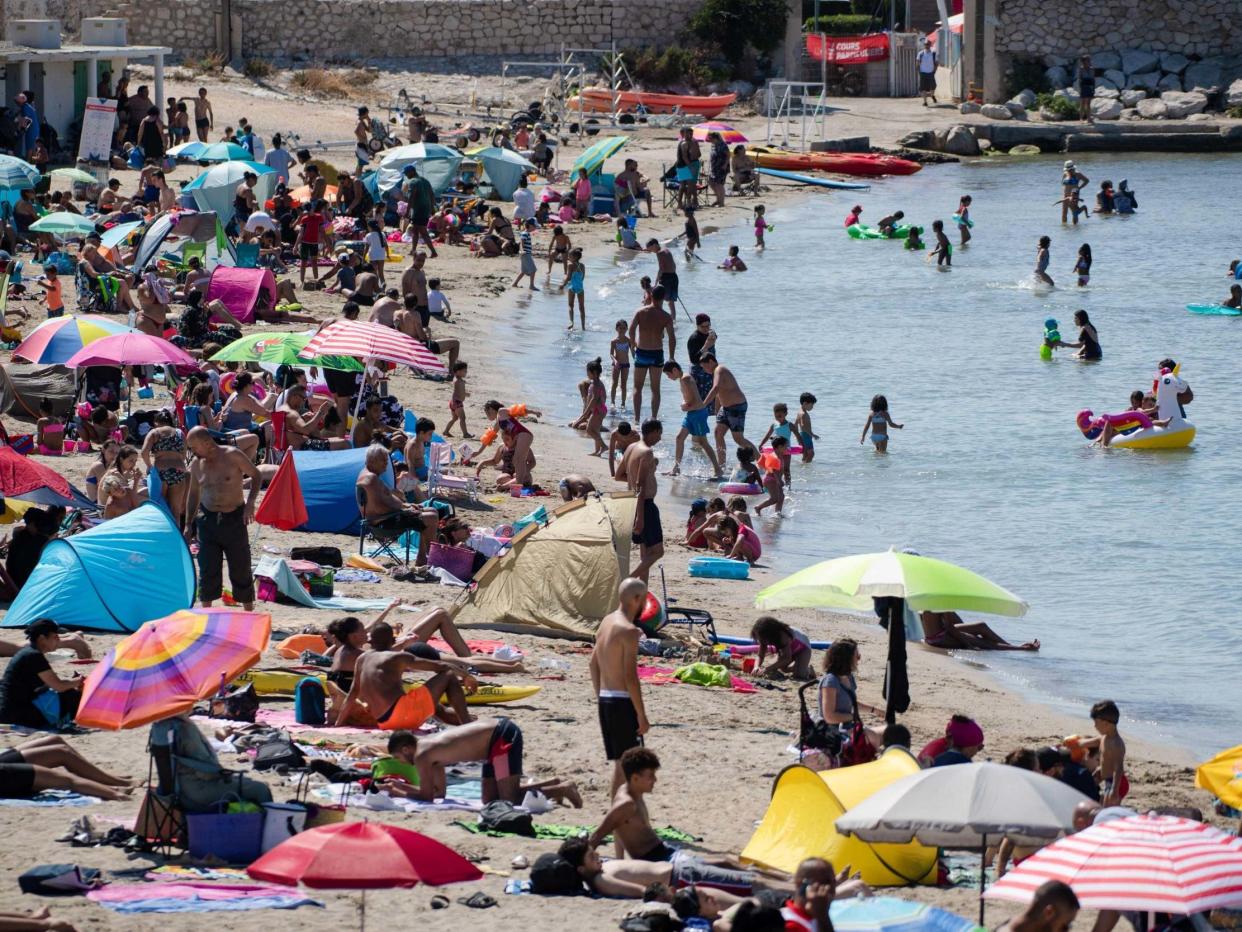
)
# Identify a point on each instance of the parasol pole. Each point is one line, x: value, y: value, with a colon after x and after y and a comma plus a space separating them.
x: 983, y: 854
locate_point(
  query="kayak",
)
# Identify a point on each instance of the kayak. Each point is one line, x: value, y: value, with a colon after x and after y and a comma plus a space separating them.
x: 1218, y: 310
x: 861, y: 231
x: 845, y: 163
x: 599, y: 100
x: 283, y: 683
x: 821, y: 182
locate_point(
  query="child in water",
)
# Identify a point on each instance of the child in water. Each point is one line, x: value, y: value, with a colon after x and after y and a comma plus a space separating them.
x: 963, y: 218
x: 593, y: 405
x: 772, y: 482
x: 625, y: 236
x: 1072, y: 203
x: 1082, y: 268
x: 761, y: 224
x: 914, y: 239
x: 781, y: 427
x: 888, y: 225
x: 692, y: 233
x: 802, y: 424
x: 944, y: 249
x: 854, y: 216
x: 1042, y: 258
x: 745, y: 473
x: 734, y: 263
x: 619, y: 353
x: 574, y: 278
x: 878, y: 421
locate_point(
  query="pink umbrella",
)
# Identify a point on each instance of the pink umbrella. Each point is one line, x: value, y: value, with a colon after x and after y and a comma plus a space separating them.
x: 130, y: 349
x: 371, y: 341
x: 1147, y: 863
x: 728, y: 134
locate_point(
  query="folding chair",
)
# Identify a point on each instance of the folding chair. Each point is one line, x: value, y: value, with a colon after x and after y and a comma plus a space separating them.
x: 440, y: 481
x: 385, y: 538
x: 690, y: 618
x: 161, y: 821
x: 247, y: 254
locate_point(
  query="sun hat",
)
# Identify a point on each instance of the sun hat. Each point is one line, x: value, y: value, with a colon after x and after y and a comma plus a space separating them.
x: 965, y: 734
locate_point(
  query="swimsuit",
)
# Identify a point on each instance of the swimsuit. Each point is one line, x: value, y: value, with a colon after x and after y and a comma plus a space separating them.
x: 575, y: 282
x: 808, y: 442
x: 504, y: 751
x: 733, y: 417
x: 652, y: 533
x: 696, y: 422
x: 661, y: 852
x: 172, y: 475
x: 409, y: 712
x: 648, y: 358
x: 877, y: 428
x: 669, y: 281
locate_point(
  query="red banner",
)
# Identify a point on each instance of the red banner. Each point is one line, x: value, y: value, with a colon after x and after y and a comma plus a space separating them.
x: 848, y: 50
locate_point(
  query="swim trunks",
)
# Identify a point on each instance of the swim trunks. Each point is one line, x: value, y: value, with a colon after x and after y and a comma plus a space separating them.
x: 11, y: 756
x: 16, y: 781
x: 618, y: 722
x: 652, y: 533
x: 504, y: 751
x: 203, y: 122
x: 690, y: 871
x: 669, y: 282
x: 308, y: 251
x: 733, y: 417
x: 424, y: 650
x: 648, y: 358
x: 409, y: 712
x: 661, y: 852
x: 696, y: 422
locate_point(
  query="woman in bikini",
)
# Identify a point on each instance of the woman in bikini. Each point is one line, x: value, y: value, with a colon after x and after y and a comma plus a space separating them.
x: 153, y: 300
x: 163, y: 451
x: 350, y: 639
x: 240, y: 437
x: 523, y: 457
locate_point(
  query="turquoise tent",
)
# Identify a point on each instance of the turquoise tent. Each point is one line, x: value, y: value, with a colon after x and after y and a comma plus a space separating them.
x: 502, y: 168
x: 113, y: 577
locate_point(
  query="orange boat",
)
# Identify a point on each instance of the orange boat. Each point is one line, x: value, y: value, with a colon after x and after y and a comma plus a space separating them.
x: 845, y: 163
x: 599, y: 100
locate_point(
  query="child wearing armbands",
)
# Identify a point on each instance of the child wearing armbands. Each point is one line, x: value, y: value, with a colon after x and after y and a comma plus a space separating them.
x: 772, y: 481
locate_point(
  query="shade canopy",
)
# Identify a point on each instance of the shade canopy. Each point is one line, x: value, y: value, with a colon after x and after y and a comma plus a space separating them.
x: 284, y: 506
x: 63, y: 223
x: 890, y: 914
x: 130, y: 349
x: 503, y: 169
x: 437, y: 163
x: 599, y: 152
x: 73, y: 174
x: 222, y: 152
x: 371, y: 341
x: 20, y: 475
x: 216, y: 188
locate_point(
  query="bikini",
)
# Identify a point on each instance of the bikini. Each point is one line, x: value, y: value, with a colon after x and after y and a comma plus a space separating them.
x: 877, y: 428
x: 171, y: 443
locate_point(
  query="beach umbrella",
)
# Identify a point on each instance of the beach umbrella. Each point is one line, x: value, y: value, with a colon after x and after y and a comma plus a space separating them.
x: 963, y: 806
x: 362, y: 856
x: 283, y: 506
x: 1146, y: 863
x: 302, y: 194
x: 73, y: 174
x: 437, y: 163
x: 16, y: 174
x: 215, y: 189
x: 282, y: 349
x: 228, y: 174
x: 728, y: 134
x: 54, y: 341
x: 1222, y: 777
x: 594, y: 157
x: 222, y: 152
x: 130, y: 349
x: 503, y: 168
x: 190, y: 150
x: 21, y: 476
x: 892, y: 914
x: 371, y: 341
x: 63, y: 223
x: 169, y: 664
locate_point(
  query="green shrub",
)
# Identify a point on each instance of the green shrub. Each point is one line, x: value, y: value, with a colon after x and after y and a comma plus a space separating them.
x: 1024, y: 74
x: 256, y: 68
x: 674, y: 65
x: 843, y: 24
x: 734, y: 25
x: 1063, y: 108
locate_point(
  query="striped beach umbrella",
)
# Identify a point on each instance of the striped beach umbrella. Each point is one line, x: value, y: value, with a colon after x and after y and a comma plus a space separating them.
x: 597, y: 154
x: 17, y: 174
x: 371, y: 341
x: 728, y: 134
x: 1144, y: 863
x: 169, y: 664
x: 54, y: 341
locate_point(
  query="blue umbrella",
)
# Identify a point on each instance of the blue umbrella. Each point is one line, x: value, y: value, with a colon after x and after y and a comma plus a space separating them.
x: 215, y: 188
x: 17, y: 175
x: 222, y: 152
x: 890, y: 914
x: 503, y: 168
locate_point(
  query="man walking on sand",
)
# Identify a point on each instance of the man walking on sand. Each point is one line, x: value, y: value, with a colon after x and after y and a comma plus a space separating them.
x: 216, y: 477
x: 421, y: 198
x: 647, y: 335
x: 728, y: 396
x: 614, y: 678
x: 927, y: 72
x: 637, y: 470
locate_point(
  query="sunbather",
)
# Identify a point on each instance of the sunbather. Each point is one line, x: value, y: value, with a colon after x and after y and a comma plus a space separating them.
x: 946, y: 630
x: 377, y: 697
x: 50, y: 763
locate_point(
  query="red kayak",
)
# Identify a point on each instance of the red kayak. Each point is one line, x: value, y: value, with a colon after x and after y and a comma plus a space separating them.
x: 844, y: 163
x: 599, y: 100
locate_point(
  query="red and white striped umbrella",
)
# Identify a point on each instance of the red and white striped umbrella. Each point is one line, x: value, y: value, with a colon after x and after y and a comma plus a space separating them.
x: 371, y: 341
x: 1147, y: 863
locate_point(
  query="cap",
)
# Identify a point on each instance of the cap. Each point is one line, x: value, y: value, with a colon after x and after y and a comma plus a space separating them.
x: 42, y: 628
x: 965, y: 734
x: 1051, y: 324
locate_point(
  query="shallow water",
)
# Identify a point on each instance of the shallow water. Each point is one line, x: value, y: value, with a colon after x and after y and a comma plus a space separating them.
x: 1126, y: 558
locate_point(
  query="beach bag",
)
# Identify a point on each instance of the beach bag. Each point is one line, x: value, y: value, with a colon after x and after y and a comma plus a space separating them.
x: 457, y: 560
x: 52, y: 707
x: 266, y: 590
x: 324, y: 556
x: 857, y: 749
x: 552, y: 875
x: 279, y: 751
x: 816, y: 734
x: 309, y: 702
x: 281, y: 821
x: 233, y: 837
x: 503, y: 816
x: 59, y: 880
x: 240, y: 705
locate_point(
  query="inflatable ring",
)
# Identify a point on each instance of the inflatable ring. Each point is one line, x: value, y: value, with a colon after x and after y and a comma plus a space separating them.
x: 740, y: 488
x: 792, y: 448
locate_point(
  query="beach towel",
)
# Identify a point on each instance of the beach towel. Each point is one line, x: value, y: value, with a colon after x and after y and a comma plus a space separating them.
x: 562, y: 832
x: 662, y: 676
x: 467, y: 797
x: 179, y: 872
x: 277, y: 570
x: 186, y: 896
x: 49, y: 798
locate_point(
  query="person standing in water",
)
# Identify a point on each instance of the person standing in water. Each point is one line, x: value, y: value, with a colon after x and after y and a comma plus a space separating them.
x: 1071, y: 181
x: 646, y: 335
x: 878, y: 422
x: 1082, y: 267
x: 1088, y: 344
x: 1042, y: 258
x: 963, y: 218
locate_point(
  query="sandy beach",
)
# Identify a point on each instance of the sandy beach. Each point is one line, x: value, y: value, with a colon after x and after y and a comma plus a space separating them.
x: 719, y: 751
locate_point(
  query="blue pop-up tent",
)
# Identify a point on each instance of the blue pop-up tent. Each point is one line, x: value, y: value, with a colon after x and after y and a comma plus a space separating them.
x: 113, y: 577
x: 328, y: 480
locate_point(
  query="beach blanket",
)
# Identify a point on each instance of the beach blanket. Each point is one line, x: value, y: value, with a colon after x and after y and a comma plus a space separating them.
x: 561, y: 832
x: 277, y: 570
x: 285, y: 719
x: 178, y: 872
x: 49, y: 798
x: 662, y: 676
x: 188, y: 896
x: 467, y: 796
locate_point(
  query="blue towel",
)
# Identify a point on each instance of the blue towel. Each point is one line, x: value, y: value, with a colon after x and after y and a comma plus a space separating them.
x: 52, y: 798
x: 173, y: 905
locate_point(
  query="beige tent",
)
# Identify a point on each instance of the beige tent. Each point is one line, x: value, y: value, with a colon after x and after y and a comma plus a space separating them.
x: 561, y: 578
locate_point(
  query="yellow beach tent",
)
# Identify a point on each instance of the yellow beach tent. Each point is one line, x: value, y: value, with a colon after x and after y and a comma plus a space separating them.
x: 1222, y: 777
x: 799, y: 823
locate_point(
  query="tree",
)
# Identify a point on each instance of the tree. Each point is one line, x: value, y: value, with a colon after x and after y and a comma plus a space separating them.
x: 732, y: 25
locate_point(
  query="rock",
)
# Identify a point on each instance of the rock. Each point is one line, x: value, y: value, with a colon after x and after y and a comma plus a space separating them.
x: 1147, y: 81
x: 960, y: 141
x: 1025, y: 149
x: 921, y: 139
x: 1130, y: 114
x: 1105, y: 60
x: 1117, y: 78
x: 1138, y: 61
x: 1069, y: 93
x: 1203, y: 75
x: 985, y: 146
x: 1056, y: 76
x: 1015, y: 108
x: 1130, y: 98
x: 1152, y: 109
x: 1049, y: 116
x: 1170, y: 82
x: 1173, y: 62
x: 1055, y: 61
x: 1233, y: 97
x: 1102, y: 108
x: 1026, y: 98
x: 996, y: 112
x: 1199, y: 118
x: 968, y: 106
x: 1110, y: 92
x: 1181, y: 104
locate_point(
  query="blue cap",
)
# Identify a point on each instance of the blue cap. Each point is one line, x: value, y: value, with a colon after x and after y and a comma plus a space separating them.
x: 1050, y: 323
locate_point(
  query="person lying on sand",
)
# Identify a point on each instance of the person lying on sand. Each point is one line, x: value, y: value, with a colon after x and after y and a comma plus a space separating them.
x: 48, y: 762
x: 437, y: 621
x: 629, y: 879
x: 377, y: 697
x: 945, y: 629
x: 40, y: 919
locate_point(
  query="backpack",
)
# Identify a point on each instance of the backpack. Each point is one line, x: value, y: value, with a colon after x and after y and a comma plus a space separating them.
x: 552, y: 875
x: 503, y: 816
x: 279, y: 751
x: 324, y: 556
x: 310, y: 702
x: 239, y: 705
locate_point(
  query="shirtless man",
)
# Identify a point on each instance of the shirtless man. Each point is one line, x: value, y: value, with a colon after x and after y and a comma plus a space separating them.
x: 498, y: 742
x: 414, y: 283
x: 945, y: 629
x: 647, y: 334
x: 384, y: 508
x: 370, y: 428
x: 378, y: 698
x: 416, y: 125
x: 302, y: 430
x: 413, y: 322
x: 384, y: 308
x: 216, y: 477
x: 637, y: 470
x: 635, y: 187
x: 614, y: 679
x: 667, y: 277
x: 204, y: 117
x: 728, y: 397
x: 695, y: 422
x: 362, y: 133
x: 244, y: 201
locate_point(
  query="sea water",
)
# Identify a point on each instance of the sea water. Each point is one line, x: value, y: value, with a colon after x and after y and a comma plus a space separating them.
x: 1127, y: 558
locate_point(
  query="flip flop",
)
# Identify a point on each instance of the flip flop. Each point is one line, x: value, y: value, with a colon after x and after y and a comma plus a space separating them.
x: 478, y: 900
x: 439, y: 901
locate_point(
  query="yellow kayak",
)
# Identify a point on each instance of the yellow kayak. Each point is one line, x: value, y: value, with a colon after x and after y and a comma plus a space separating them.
x: 283, y: 682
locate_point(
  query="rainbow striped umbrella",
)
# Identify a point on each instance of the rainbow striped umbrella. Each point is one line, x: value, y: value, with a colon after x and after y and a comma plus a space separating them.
x: 54, y: 341
x: 728, y: 134
x: 169, y: 664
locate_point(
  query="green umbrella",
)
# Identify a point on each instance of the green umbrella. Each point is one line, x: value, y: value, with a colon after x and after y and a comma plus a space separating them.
x: 64, y: 223
x: 593, y: 158
x: 926, y: 584
x: 282, y: 349
x: 73, y: 174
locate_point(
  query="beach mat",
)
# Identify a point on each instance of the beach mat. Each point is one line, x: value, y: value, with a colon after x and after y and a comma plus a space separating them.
x: 190, y: 896
x: 562, y: 832
x: 663, y: 676
x: 467, y: 797
x: 52, y: 798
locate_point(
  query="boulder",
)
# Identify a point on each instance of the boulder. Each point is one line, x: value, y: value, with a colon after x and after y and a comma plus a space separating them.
x: 1173, y: 62
x: 1130, y: 114
x: 1025, y: 149
x: 920, y: 139
x: 1170, y: 82
x: 1139, y: 61
x: 961, y: 141
x: 1152, y: 109
x: 1115, y: 77
x: 986, y: 147
x: 1106, y: 60
x: 1056, y: 76
x: 1102, y: 108
x: 1049, y: 116
x: 1026, y: 98
x: 1131, y: 98
x: 1199, y: 118
x: 1181, y: 104
x: 1015, y: 108
x: 1233, y: 97
x: 1055, y: 61
x: 968, y: 106
x: 1106, y: 89
x: 1107, y: 93
x: 996, y: 112
x: 1146, y: 81
x: 1203, y: 75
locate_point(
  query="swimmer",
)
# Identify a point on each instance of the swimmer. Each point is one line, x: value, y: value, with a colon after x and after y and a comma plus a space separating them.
x: 1042, y: 257
x: 888, y: 225
x: 745, y: 473
x: 1235, y: 297
x: 761, y: 224
x: 619, y: 353
x: 618, y: 442
x: 781, y: 427
x: 734, y: 263
x: 1140, y: 403
x: 1235, y: 269
x: 695, y: 422
x: 772, y: 480
x: 878, y: 421
x: 944, y: 249
x: 914, y: 239
x: 963, y: 218
x: 802, y: 424
x: 1082, y: 268
x: 854, y: 216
